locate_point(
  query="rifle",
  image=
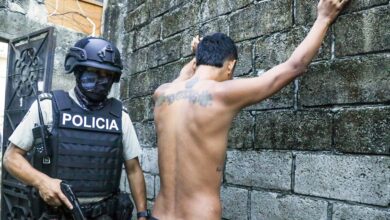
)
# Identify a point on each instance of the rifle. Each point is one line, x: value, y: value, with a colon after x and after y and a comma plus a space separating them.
x: 76, y: 211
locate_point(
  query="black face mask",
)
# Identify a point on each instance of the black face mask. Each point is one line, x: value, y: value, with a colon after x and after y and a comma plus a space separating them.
x: 94, y: 87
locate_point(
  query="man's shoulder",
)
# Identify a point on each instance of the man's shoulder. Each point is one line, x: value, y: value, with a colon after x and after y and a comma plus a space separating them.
x: 54, y: 94
x: 163, y: 88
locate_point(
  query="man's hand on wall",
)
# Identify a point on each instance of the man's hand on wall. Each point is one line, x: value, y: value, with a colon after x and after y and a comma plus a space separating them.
x: 194, y: 43
x: 328, y: 10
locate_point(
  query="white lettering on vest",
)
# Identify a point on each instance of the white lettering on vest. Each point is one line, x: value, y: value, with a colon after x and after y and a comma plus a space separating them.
x: 89, y: 122
x: 86, y: 125
x: 114, y: 125
x: 66, y: 117
x: 99, y: 125
x: 80, y: 120
x: 93, y: 122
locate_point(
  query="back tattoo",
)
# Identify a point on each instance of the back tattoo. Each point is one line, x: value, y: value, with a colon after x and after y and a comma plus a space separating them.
x: 203, y: 98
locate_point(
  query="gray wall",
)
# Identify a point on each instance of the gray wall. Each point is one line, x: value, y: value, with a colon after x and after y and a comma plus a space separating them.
x: 319, y: 149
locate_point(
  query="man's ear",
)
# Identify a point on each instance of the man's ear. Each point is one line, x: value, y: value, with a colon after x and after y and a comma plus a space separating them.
x: 231, y: 66
x: 194, y: 65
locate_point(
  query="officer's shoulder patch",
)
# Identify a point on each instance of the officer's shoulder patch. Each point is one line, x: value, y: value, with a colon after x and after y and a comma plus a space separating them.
x: 44, y: 96
x: 125, y: 109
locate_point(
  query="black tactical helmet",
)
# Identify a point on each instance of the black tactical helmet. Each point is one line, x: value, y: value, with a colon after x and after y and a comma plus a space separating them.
x: 94, y: 52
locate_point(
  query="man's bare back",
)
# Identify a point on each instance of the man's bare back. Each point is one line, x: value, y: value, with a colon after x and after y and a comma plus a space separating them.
x: 192, y: 126
x: 193, y: 115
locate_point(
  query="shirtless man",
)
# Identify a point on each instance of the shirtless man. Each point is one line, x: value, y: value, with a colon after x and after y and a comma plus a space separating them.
x: 193, y: 115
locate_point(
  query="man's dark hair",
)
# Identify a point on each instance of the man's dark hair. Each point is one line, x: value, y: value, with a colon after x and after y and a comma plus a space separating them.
x: 215, y: 49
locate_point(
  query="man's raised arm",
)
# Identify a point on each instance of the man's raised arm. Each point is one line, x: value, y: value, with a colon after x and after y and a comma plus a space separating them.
x: 189, y: 69
x: 186, y: 72
x: 243, y: 92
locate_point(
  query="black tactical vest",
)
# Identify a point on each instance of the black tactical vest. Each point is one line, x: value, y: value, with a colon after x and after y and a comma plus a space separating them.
x: 87, y: 146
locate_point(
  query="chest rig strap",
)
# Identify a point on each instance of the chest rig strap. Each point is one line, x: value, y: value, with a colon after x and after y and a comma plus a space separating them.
x: 62, y: 100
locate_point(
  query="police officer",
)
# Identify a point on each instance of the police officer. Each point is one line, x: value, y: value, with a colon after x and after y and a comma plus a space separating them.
x: 90, y: 137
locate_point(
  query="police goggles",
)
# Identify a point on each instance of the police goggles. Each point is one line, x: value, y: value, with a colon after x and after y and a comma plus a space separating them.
x: 90, y: 79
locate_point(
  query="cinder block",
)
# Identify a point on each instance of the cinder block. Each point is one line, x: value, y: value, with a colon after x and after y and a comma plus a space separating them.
x: 244, y: 63
x: 275, y: 130
x: 180, y: 19
x: 158, y: 8
x: 138, y: 60
x: 268, y: 205
x: 313, y: 130
x: 241, y: 132
x: 354, y: 80
x: 277, y: 48
x: 363, y: 32
x: 3, y: 3
x: 363, y: 179
x: 214, y: 8
x: 148, y: 34
x: 220, y: 24
x: 164, y: 52
x: 128, y: 48
x: 136, y: 18
x: 363, y: 130
x: 124, y: 88
x: 269, y: 17
x: 170, y: 71
x: 146, y: 133
x: 354, y: 212
x: 149, y: 182
x: 354, y: 6
x: 149, y: 160
x: 282, y: 99
x: 166, y: 73
x: 234, y: 203
x: 304, y: 130
x: 140, y: 108
x: 306, y: 10
x: 271, y: 170
x: 111, y: 22
x: 131, y: 5
x: 142, y: 84
x: 187, y: 37
x: 145, y: 83
x: 157, y: 185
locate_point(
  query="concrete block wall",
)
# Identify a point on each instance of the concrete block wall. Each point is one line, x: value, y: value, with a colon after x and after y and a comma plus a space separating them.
x: 318, y: 149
